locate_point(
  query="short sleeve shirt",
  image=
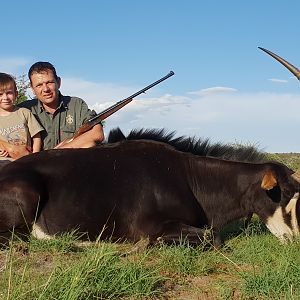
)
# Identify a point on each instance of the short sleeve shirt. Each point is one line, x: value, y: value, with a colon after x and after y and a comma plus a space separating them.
x: 19, y: 127
x: 71, y: 113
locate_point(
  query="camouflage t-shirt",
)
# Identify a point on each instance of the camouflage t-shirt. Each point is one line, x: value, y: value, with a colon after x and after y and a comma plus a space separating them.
x: 71, y: 113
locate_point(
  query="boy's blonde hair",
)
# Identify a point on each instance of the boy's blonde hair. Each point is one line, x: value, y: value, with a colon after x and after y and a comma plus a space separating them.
x: 7, y: 80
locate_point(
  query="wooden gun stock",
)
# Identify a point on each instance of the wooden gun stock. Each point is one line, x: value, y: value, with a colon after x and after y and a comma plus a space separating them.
x: 89, y: 124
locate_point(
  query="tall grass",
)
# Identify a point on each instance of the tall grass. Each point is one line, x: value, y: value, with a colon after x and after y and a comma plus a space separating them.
x: 273, y: 269
x: 251, y: 265
x: 97, y: 272
x: 262, y: 267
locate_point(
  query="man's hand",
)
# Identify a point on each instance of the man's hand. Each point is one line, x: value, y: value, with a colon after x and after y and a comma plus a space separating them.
x: 86, y: 140
x: 63, y: 143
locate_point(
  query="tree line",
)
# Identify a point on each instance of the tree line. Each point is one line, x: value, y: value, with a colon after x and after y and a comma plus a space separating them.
x: 23, y: 86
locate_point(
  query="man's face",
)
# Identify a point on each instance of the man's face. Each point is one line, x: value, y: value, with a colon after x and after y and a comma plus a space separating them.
x: 45, y: 87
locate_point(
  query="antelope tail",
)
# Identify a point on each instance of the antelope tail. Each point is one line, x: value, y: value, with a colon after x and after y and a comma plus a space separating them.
x: 289, y: 66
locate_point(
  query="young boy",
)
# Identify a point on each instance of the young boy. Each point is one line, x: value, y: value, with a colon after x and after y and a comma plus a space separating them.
x: 18, y: 127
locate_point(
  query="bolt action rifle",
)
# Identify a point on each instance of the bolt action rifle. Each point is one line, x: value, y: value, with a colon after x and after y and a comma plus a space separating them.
x: 89, y: 124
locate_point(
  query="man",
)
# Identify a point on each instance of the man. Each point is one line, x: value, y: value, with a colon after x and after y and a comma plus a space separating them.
x: 60, y: 115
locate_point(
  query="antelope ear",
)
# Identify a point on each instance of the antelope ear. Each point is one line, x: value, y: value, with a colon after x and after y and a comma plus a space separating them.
x: 296, y: 175
x: 268, y: 181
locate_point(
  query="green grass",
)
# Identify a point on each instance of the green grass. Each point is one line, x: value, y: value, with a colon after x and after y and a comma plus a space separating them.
x: 252, y: 264
x: 97, y: 272
x: 292, y: 160
x: 266, y: 268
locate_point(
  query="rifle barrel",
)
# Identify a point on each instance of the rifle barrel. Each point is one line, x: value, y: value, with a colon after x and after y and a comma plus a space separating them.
x: 171, y: 73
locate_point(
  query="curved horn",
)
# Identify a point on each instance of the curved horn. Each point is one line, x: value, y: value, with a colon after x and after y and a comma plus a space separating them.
x: 296, y: 176
x: 289, y: 66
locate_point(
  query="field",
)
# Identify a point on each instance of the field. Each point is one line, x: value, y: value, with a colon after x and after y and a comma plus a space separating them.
x: 251, y: 265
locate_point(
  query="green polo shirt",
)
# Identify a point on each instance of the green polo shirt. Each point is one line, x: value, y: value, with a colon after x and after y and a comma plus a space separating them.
x: 71, y: 113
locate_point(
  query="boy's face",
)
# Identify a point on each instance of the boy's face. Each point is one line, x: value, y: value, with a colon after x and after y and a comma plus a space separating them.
x: 45, y: 87
x: 8, y: 95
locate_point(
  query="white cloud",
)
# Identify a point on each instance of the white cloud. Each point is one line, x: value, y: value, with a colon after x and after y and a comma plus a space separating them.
x: 270, y: 120
x: 213, y: 90
x: 278, y: 80
x: 265, y: 119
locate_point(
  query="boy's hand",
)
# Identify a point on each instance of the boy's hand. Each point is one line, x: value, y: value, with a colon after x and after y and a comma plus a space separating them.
x: 13, y: 151
x: 3, y: 153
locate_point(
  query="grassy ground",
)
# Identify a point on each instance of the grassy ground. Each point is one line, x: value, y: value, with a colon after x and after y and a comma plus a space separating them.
x: 292, y: 160
x: 251, y: 265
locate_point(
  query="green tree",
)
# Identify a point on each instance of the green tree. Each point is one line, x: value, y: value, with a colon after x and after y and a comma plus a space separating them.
x: 22, y: 86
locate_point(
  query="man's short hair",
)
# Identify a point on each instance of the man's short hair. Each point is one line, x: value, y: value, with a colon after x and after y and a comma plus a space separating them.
x: 40, y: 67
x: 7, y: 80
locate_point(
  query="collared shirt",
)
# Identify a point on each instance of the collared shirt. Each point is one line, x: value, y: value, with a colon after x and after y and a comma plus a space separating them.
x: 71, y: 113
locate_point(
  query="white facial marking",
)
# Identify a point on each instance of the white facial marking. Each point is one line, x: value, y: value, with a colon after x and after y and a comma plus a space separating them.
x: 291, y: 209
x: 38, y: 233
x: 278, y: 227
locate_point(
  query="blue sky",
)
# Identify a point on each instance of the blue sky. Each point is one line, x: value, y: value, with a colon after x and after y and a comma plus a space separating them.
x: 224, y: 87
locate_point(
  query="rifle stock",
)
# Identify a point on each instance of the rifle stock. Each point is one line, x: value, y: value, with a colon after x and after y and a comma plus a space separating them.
x: 89, y: 124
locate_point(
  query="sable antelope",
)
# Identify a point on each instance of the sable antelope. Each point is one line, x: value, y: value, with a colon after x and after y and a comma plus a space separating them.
x: 133, y: 189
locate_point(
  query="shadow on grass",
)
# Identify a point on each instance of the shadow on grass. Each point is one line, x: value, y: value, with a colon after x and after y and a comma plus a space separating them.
x: 239, y: 228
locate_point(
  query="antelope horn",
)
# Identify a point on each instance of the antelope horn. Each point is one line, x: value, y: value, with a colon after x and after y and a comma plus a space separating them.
x: 296, y: 175
x: 289, y: 66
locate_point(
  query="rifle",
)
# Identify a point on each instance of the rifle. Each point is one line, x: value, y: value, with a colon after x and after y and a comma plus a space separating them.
x: 89, y: 124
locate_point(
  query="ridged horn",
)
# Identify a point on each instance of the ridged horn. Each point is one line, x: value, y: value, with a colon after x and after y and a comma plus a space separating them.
x: 296, y: 176
x: 289, y: 66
